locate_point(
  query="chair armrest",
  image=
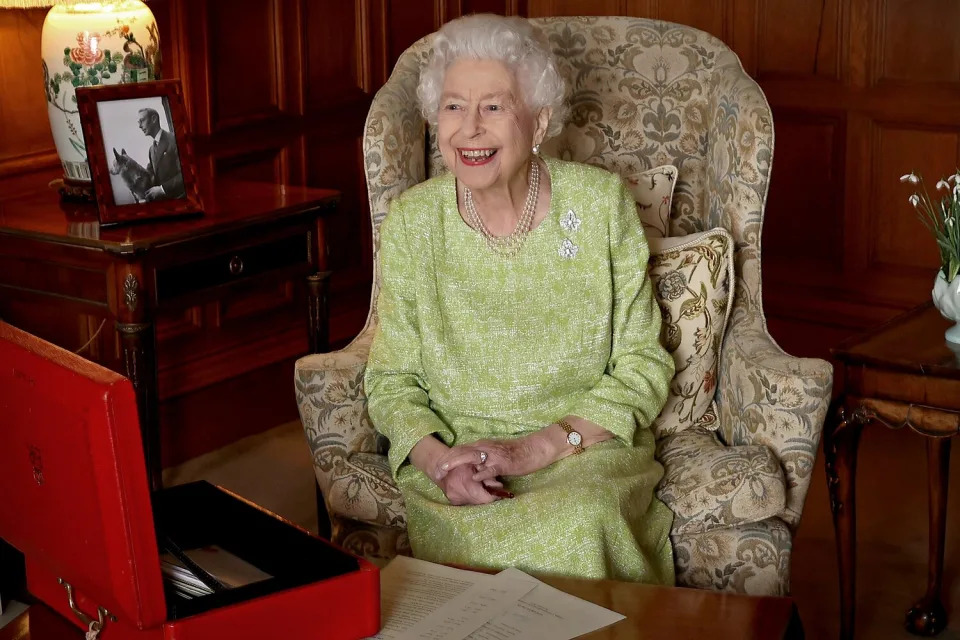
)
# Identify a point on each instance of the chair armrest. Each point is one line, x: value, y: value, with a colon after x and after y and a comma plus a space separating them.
x: 768, y: 397
x: 363, y: 490
x: 333, y: 407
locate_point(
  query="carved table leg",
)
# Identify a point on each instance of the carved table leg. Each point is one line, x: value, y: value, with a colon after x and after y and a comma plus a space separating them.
x: 928, y: 617
x: 841, y: 437
x: 140, y: 363
x: 319, y: 310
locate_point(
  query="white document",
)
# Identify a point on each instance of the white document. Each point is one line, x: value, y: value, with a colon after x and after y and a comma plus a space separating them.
x: 462, y: 615
x: 423, y: 600
x: 545, y: 613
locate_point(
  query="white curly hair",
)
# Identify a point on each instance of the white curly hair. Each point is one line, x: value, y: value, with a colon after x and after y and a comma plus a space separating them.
x: 514, y: 42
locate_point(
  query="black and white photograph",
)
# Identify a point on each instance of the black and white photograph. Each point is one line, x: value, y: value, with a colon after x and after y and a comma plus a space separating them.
x: 141, y: 149
x: 137, y: 137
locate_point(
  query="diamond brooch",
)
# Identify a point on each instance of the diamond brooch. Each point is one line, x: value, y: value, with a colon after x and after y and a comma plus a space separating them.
x: 568, y: 249
x: 570, y: 221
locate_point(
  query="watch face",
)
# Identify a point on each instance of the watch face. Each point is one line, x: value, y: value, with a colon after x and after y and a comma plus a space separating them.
x: 574, y: 438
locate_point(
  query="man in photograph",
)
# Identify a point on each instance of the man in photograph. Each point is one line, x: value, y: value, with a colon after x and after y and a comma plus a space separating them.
x: 164, y: 163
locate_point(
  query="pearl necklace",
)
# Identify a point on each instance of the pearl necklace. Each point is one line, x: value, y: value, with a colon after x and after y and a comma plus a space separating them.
x: 507, y: 246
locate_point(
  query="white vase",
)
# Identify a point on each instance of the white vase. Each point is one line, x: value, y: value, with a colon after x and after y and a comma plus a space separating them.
x: 90, y: 44
x: 946, y: 297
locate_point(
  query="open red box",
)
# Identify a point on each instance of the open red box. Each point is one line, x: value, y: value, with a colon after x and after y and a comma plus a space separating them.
x: 75, y: 501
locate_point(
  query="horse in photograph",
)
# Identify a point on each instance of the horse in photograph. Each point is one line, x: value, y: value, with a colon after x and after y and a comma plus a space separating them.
x: 135, y: 176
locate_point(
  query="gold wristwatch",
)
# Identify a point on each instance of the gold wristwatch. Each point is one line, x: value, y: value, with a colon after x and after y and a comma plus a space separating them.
x: 574, y: 439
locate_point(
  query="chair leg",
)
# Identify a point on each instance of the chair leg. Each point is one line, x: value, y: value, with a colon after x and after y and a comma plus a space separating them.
x: 323, y: 518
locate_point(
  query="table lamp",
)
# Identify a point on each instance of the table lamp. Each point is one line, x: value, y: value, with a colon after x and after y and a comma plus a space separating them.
x: 86, y: 44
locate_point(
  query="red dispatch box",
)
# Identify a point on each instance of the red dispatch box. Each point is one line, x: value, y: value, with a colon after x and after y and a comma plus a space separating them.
x: 75, y: 501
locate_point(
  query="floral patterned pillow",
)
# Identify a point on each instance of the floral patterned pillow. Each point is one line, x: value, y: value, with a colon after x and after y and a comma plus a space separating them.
x: 693, y: 282
x: 653, y: 191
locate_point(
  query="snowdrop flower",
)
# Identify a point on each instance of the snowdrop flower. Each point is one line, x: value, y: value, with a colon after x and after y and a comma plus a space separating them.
x: 943, y: 184
x: 911, y: 178
x: 955, y: 178
x: 914, y: 200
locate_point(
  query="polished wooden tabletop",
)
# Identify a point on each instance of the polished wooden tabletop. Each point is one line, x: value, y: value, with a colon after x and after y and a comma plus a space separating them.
x: 652, y: 613
x: 39, y: 213
x: 913, y: 342
x: 655, y: 613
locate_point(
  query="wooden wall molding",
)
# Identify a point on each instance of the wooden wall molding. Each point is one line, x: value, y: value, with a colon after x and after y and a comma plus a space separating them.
x: 912, y: 43
x: 798, y: 39
x: 26, y: 143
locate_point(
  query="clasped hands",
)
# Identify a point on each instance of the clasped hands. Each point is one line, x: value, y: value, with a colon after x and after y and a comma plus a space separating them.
x: 465, y: 473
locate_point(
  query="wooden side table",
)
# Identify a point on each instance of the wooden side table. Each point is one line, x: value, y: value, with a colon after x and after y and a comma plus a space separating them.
x: 104, y: 292
x: 903, y: 374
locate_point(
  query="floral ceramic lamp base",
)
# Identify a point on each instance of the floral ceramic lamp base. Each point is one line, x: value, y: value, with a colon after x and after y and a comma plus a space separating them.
x: 946, y: 297
x: 86, y: 45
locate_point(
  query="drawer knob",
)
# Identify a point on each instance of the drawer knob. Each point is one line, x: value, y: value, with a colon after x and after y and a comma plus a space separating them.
x: 236, y: 265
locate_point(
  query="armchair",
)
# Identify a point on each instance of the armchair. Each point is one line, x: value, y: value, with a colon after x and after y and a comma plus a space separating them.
x: 643, y: 93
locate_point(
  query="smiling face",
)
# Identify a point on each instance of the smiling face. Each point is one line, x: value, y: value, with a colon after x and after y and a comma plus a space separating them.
x: 484, y: 130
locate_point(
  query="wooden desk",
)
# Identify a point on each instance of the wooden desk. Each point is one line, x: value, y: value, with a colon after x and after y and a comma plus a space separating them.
x: 903, y: 374
x: 652, y: 613
x: 203, y: 298
x: 655, y: 613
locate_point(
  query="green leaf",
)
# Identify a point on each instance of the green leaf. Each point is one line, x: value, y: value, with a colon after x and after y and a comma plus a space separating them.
x: 693, y: 307
x: 66, y: 51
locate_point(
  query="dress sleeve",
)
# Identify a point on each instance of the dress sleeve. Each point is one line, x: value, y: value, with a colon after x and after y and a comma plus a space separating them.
x: 394, y: 381
x: 634, y: 386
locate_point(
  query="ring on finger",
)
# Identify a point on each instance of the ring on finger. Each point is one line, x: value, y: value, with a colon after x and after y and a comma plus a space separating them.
x: 483, y: 457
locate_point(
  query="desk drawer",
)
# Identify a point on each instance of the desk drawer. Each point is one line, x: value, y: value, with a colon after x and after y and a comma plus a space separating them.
x: 231, y: 266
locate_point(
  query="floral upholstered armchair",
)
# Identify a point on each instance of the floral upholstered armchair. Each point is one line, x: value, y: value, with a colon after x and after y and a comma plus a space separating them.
x: 642, y: 93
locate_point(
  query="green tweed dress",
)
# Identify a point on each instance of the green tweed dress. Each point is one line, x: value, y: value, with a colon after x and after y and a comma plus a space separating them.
x: 473, y: 345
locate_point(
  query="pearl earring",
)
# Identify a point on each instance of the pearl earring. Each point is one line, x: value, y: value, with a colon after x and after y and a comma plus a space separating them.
x: 536, y: 149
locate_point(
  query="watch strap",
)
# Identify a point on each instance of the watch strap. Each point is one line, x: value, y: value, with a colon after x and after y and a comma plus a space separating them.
x: 568, y: 428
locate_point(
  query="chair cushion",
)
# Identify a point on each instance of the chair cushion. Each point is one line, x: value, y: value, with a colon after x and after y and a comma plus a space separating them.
x: 709, y: 485
x: 653, y: 192
x: 752, y: 558
x: 362, y: 489
x: 693, y: 283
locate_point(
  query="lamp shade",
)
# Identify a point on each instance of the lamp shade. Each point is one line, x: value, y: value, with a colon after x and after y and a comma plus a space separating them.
x: 32, y: 4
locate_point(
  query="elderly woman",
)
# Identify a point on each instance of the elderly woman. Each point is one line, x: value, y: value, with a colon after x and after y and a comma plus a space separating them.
x: 517, y: 364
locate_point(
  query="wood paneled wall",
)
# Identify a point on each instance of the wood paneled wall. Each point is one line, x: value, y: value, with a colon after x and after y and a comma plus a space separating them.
x: 862, y: 91
x: 25, y: 139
